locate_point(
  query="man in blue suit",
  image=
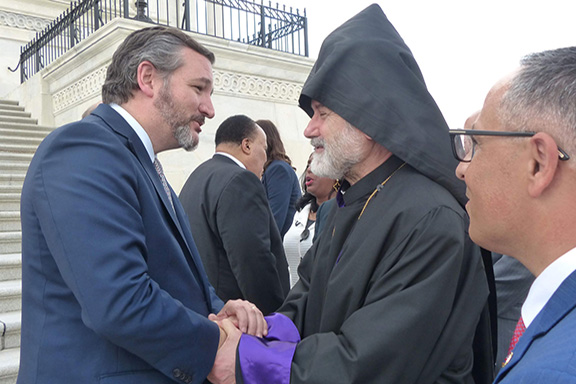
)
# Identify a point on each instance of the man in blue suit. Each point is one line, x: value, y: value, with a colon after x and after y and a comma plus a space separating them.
x: 113, y: 287
x: 518, y: 165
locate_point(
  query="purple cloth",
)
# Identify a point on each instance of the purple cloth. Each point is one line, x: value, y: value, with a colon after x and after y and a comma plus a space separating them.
x: 269, y: 359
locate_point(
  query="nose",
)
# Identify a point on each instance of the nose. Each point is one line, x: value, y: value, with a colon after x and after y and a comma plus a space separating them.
x: 312, y: 128
x: 206, y: 107
x: 461, y: 170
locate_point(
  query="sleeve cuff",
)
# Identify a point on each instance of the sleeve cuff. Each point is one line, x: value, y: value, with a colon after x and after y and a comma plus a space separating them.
x: 269, y: 359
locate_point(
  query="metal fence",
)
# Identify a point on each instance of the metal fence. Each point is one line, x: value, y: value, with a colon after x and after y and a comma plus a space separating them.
x: 244, y: 21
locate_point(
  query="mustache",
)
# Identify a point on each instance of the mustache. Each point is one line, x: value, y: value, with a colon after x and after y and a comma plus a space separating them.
x: 200, y: 119
x: 317, y: 142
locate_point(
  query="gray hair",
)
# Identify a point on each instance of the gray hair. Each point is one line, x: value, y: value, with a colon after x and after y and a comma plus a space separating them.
x: 161, y: 46
x: 542, y: 96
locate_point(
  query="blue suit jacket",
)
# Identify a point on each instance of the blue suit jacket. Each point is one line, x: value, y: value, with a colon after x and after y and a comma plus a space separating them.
x: 113, y: 287
x: 283, y: 190
x: 546, y: 353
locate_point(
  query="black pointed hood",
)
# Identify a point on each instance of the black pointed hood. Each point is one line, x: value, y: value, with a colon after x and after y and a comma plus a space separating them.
x: 367, y: 75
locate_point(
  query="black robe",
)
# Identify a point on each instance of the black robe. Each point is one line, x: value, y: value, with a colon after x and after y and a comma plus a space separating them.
x: 393, y: 291
x: 392, y: 296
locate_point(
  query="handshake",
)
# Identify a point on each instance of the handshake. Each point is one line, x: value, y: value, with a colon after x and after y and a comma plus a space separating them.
x: 235, y: 318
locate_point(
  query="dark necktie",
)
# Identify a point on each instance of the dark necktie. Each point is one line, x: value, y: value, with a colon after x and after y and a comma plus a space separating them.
x: 160, y: 172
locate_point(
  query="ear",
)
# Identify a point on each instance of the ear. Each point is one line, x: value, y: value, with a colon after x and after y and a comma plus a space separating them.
x: 146, y: 76
x: 245, y: 146
x: 543, y: 163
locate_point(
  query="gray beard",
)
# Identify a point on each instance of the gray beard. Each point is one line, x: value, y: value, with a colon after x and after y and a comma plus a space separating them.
x: 324, y: 165
x: 185, y: 138
x: 339, y: 155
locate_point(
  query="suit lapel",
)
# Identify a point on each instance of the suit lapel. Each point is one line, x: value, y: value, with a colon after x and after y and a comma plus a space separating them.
x: 134, y: 144
x: 560, y: 304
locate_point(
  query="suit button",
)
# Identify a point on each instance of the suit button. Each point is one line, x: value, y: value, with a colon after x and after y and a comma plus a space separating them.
x: 177, y: 373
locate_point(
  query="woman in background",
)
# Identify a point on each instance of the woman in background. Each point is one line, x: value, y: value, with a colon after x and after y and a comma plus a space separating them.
x: 279, y: 178
x: 299, y: 237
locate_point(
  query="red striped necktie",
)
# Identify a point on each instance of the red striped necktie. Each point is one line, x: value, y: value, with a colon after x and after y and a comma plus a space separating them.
x: 518, y: 331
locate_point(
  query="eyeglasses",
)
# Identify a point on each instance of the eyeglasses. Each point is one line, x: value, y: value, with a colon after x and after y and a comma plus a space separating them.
x: 463, y: 143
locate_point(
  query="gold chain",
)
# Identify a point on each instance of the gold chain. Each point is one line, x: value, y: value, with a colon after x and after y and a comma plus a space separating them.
x: 378, y: 188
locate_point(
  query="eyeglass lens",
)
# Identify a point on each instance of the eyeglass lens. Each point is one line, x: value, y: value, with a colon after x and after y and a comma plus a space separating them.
x: 464, y: 147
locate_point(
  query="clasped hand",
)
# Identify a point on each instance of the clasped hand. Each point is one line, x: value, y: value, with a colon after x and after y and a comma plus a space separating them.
x: 235, y: 318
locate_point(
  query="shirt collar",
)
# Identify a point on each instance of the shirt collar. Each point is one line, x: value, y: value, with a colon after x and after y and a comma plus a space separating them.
x: 231, y: 158
x: 137, y: 128
x: 348, y: 194
x: 546, y: 284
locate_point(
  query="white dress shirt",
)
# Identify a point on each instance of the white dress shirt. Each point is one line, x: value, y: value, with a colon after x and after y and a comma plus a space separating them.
x: 546, y: 284
x: 231, y: 158
x: 137, y: 128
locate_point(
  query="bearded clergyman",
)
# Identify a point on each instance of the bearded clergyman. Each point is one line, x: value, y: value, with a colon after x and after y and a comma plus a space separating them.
x: 393, y: 290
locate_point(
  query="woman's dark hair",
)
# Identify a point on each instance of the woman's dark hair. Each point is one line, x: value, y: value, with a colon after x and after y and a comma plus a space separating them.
x: 275, y: 149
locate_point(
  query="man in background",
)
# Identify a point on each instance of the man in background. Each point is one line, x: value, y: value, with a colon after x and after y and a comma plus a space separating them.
x: 113, y: 288
x: 517, y: 162
x: 231, y: 219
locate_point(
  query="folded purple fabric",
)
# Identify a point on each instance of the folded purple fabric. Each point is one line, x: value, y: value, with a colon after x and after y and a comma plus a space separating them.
x: 268, y: 359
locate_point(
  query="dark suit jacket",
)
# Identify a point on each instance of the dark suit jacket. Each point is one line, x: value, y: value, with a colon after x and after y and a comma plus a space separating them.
x: 236, y: 234
x: 113, y: 288
x: 546, y: 353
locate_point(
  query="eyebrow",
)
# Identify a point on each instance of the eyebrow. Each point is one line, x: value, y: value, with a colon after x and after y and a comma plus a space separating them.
x: 207, y: 82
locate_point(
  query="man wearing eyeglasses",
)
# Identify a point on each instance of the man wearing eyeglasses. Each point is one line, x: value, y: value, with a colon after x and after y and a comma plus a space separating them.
x: 511, y: 278
x: 516, y: 162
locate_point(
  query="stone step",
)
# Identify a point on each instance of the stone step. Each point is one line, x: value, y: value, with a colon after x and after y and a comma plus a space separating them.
x: 8, y: 102
x: 10, y: 105
x: 24, y: 132
x: 15, y: 157
x: 14, y: 113
x: 10, y: 242
x: 11, y: 324
x: 20, y: 140
x: 26, y: 120
x: 31, y: 126
x: 11, y: 295
x: 4, y: 188
x: 12, y: 178
x: 13, y: 170
x: 9, y: 362
x: 10, y: 267
x: 18, y: 148
x: 9, y: 221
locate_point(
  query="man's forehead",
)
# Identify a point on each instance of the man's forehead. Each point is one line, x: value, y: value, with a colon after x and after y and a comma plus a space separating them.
x: 471, y: 120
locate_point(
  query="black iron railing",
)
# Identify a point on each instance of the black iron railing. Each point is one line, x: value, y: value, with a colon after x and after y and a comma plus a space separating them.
x: 244, y: 21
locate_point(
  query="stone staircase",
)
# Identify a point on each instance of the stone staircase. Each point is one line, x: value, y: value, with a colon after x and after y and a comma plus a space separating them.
x: 19, y: 138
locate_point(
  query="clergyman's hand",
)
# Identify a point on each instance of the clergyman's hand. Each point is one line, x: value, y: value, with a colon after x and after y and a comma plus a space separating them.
x: 224, y: 369
x: 245, y: 315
